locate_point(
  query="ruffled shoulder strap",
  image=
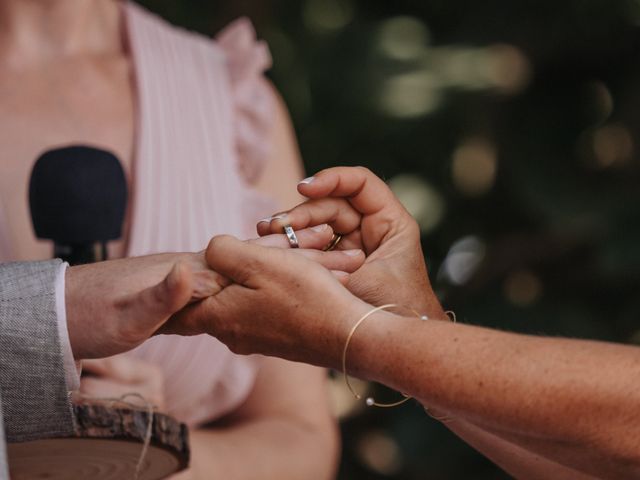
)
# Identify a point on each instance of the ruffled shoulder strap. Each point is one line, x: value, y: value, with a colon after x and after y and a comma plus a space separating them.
x: 247, y: 60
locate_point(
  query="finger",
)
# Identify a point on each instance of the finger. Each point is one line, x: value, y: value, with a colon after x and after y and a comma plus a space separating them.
x: 194, y: 319
x: 343, y: 277
x: 347, y: 261
x: 315, y: 237
x: 336, y: 212
x: 252, y: 265
x: 241, y: 262
x: 155, y: 304
x: 207, y: 283
x: 365, y: 191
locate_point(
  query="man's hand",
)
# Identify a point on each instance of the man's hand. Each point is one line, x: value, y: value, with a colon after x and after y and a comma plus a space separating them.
x: 360, y: 206
x: 114, y: 306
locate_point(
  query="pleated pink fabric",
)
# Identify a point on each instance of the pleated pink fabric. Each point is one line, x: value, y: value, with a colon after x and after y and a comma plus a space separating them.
x: 202, y: 137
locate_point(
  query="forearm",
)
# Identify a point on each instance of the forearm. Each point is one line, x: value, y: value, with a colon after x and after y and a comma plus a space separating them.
x: 570, y: 401
x: 277, y: 448
x: 516, y: 460
x: 283, y: 430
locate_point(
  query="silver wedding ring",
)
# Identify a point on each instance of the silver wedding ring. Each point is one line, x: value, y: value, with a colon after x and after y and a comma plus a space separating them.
x: 291, y: 236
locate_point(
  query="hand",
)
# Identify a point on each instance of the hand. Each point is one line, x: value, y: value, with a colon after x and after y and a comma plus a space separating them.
x: 360, y: 206
x: 114, y: 306
x: 117, y: 376
x: 281, y: 303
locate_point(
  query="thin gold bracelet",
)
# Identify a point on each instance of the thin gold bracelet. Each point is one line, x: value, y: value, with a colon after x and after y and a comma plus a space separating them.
x: 370, y: 401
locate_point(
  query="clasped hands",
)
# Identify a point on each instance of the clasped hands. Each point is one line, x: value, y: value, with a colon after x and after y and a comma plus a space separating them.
x: 260, y: 296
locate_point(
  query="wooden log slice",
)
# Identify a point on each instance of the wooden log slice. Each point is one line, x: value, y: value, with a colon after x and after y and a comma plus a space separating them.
x: 107, y: 445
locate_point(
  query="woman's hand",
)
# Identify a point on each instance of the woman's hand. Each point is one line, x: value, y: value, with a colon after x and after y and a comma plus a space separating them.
x: 280, y: 303
x: 360, y: 206
x: 116, y: 377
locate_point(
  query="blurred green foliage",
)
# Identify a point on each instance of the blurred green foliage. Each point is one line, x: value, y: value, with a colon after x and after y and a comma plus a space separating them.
x: 516, y: 123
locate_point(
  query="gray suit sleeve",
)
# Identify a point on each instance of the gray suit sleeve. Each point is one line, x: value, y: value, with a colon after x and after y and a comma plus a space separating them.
x: 35, y: 401
x: 4, y: 469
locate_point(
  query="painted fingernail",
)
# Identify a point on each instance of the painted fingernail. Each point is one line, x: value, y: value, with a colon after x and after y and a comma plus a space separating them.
x: 278, y: 216
x: 352, y: 253
x: 265, y: 220
x: 319, y: 228
x: 306, y: 181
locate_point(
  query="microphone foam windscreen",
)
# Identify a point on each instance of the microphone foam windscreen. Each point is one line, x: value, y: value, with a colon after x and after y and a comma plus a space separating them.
x: 78, y: 195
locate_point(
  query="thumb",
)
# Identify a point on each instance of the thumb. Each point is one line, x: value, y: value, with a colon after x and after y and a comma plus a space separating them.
x: 239, y: 261
x: 155, y: 304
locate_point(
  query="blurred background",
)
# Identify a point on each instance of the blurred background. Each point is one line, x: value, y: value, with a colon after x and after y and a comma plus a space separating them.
x: 509, y: 129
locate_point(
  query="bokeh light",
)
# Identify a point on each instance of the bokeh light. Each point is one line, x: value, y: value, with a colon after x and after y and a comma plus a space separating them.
x: 600, y: 100
x: 462, y: 260
x: 421, y: 200
x: 412, y: 94
x: 474, y: 166
x: 327, y: 16
x: 506, y: 68
x: 612, y: 145
x: 403, y: 38
x: 343, y: 402
x: 379, y: 452
x: 522, y: 288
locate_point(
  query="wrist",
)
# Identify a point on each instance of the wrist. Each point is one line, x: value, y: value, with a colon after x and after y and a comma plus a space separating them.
x: 323, y: 344
x: 88, y: 324
x: 367, y: 342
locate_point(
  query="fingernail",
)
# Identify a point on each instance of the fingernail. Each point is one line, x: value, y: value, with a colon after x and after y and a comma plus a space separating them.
x: 319, y: 228
x: 306, y: 181
x: 352, y: 253
x: 278, y: 216
x: 265, y: 220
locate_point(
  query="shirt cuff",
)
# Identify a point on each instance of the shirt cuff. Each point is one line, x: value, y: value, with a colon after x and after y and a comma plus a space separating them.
x: 72, y: 368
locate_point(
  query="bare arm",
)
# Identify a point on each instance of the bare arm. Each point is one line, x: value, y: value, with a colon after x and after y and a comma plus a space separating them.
x: 573, y: 402
x: 284, y: 430
x: 514, y: 459
x: 359, y: 205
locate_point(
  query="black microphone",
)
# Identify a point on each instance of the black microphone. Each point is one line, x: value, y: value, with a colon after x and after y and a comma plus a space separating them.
x: 78, y: 197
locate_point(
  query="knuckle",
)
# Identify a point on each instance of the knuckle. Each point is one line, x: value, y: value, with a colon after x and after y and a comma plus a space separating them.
x: 218, y: 241
x: 413, y: 228
x: 363, y: 170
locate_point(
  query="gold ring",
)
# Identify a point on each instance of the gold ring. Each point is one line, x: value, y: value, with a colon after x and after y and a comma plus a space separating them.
x: 335, y: 240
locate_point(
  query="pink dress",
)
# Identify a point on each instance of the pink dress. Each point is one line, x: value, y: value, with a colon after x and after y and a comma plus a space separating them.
x: 203, y: 115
